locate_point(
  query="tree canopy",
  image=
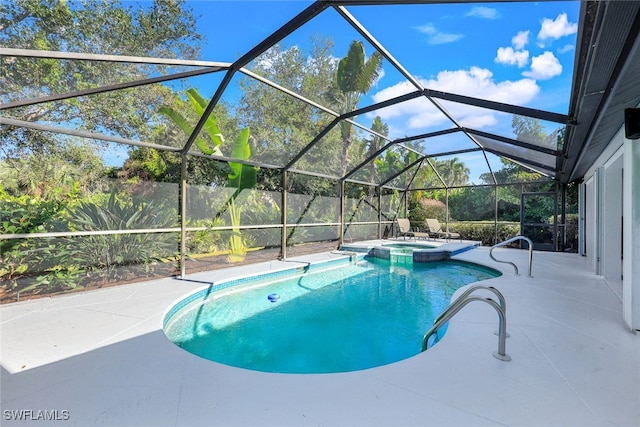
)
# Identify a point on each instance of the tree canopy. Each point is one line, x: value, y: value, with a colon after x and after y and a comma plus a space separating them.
x: 161, y: 29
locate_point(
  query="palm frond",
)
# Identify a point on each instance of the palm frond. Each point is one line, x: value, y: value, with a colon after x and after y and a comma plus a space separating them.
x: 369, y: 73
x: 349, y: 68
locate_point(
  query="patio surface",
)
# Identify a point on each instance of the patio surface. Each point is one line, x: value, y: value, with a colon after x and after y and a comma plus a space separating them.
x: 101, y: 358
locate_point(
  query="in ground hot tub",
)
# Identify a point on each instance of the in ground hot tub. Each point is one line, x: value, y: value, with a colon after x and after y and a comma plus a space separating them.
x: 409, y: 252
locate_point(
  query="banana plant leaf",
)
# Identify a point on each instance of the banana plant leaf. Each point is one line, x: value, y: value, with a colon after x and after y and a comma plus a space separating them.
x: 198, y: 104
x: 210, y: 125
x: 242, y: 176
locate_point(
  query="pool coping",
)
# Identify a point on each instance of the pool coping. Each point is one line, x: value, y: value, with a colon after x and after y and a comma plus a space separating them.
x: 285, y: 271
x: 438, y: 251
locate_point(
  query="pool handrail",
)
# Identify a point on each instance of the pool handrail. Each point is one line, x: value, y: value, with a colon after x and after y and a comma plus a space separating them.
x: 462, y: 301
x: 470, y: 290
x: 506, y: 242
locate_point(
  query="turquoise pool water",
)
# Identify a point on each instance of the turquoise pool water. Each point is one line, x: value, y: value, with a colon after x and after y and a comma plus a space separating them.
x: 339, y: 319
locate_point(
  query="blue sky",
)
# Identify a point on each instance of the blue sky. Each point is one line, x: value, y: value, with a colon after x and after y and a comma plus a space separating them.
x: 515, y: 53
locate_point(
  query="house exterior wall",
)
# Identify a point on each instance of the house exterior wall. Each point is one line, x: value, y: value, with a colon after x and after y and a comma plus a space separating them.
x: 591, y: 214
x: 631, y: 211
x: 612, y: 221
x: 612, y: 218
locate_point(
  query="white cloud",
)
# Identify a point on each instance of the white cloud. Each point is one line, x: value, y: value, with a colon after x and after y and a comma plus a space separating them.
x: 476, y: 82
x: 544, y: 67
x: 409, y: 108
x: 566, y: 48
x: 556, y: 28
x: 479, y: 121
x: 520, y: 40
x: 443, y: 38
x: 484, y: 12
x: 506, y: 55
x: 515, y: 55
x: 427, y: 29
x: 436, y: 36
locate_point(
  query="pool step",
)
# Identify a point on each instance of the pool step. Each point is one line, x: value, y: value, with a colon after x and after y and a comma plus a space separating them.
x: 403, y: 258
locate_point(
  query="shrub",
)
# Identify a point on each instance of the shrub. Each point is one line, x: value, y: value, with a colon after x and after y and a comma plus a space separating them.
x: 427, y: 208
x: 27, y: 264
x: 207, y: 241
x: 104, y: 254
x: 485, y: 232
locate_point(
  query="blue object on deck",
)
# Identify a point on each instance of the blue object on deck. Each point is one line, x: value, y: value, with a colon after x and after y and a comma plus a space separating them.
x: 273, y: 297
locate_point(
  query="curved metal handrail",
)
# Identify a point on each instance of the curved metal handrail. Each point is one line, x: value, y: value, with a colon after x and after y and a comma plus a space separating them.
x: 471, y: 289
x: 462, y: 301
x: 506, y: 242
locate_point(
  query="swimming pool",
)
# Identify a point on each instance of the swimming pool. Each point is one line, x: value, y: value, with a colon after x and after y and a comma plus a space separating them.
x: 329, y: 318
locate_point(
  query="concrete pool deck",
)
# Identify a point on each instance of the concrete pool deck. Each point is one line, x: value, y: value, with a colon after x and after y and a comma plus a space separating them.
x: 101, y: 358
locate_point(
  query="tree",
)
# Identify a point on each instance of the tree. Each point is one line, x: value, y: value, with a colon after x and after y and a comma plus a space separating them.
x: 374, y: 144
x: 165, y: 166
x: 528, y: 129
x: 163, y: 29
x: 64, y: 174
x: 453, y: 171
x: 211, y: 141
x: 354, y: 77
x: 531, y: 130
x: 282, y: 125
x: 388, y: 164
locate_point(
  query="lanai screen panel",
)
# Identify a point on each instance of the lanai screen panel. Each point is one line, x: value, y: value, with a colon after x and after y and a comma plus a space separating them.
x: 280, y: 125
x: 324, y: 155
x: 306, y: 62
x: 404, y: 179
x: 472, y: 204
x: 311, y: 200
x: 426, y: 176
x: 117, y: 120
x: 388, y: 164
x: 391, y: 200
x: 534, y: 159
x: 361, y: 203
x: 66, y: 75
x: 462, y: 169
x: 531, y: 130
x: 431, y: 41
x: 508, y: 172
x: 454, y: 142
x: 410, y: 113
x: 257, y: 123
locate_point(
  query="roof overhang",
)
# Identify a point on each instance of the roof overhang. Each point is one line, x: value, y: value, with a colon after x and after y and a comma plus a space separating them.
x: 606, y: 81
